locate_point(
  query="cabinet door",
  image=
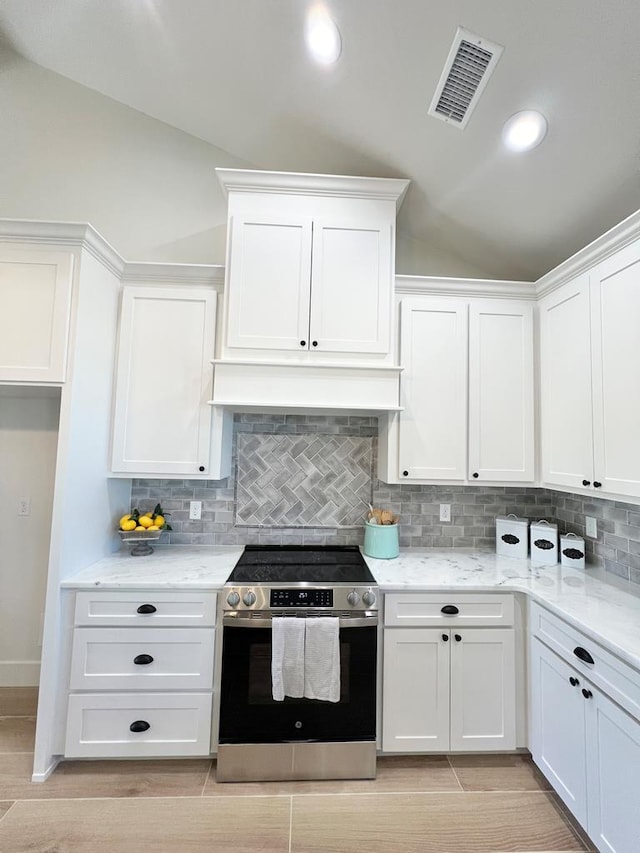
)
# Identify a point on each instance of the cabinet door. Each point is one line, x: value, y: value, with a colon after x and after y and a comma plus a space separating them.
x: 483, y: 689
x: 351, y: 285
x: 415, y: 707
x: 613, y: 776
x: 269, y: 280
x: 162, y: 420
x: 558, y: 727
x: 35, y: 294
x: 501, y: 439
x: 565, y: 385
x: 615, y: 306
x: 433, y: 390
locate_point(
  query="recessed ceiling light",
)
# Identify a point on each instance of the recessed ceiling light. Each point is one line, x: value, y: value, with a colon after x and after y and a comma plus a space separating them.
x: 322, y: 36
x: 524, y: 130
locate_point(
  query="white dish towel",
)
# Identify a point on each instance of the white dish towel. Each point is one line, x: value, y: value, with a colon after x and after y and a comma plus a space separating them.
x: 322, y: 658
x: 287, y: 657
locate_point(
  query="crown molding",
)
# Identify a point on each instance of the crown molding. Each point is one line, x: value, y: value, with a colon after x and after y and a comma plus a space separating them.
x: 420, y: 284
x: 77, y: 234
x: 602, y: 247
x: 196, y: 274
x: 298, y: 183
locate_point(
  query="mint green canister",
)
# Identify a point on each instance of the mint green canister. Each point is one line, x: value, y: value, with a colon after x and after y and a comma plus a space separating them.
x: 381, y: 541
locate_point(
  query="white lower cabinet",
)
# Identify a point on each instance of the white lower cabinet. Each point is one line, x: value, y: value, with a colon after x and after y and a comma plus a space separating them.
x: 447, y: 688
x: 586, y: 744
x: 144, y: 690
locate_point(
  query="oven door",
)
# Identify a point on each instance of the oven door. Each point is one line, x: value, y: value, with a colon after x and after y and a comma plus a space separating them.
x: 248, y: 712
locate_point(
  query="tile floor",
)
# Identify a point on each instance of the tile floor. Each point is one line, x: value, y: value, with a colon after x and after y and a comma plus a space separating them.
x: 434, y: 804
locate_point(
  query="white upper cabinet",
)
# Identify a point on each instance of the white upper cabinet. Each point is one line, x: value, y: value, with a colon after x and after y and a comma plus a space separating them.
x: 467, y: 392
x: 162, y: 420
x: 590, y: 373
x: 310, y: 265
x: 35, y: 294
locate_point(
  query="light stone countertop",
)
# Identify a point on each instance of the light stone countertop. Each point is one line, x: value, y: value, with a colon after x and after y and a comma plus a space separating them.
x: 594, y: 605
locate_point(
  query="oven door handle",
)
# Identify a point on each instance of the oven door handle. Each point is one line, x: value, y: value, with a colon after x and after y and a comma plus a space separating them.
x: 233, y: 621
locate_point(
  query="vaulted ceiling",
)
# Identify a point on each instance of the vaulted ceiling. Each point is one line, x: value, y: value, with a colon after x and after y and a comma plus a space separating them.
x: 235, y: 73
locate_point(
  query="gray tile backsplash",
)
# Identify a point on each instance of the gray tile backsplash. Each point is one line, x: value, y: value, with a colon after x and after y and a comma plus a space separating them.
x: 231, y: 517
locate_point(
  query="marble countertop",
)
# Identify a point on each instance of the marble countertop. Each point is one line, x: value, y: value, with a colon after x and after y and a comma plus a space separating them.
x: 584, y: 598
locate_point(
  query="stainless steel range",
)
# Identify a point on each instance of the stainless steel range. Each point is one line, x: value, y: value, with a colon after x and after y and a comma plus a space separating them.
x: 261, y: 738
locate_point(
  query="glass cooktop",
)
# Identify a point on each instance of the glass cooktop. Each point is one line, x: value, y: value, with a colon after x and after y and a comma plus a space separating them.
x: 320, y: 564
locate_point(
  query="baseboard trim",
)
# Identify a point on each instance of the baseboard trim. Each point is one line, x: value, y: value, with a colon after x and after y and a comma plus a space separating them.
x: 19, y: 673
x: 39, y: 778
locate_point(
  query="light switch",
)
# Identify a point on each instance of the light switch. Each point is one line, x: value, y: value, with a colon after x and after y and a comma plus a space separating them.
x: 591, y: 527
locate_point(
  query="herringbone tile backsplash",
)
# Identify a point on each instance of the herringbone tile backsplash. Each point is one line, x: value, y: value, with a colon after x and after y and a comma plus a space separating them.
x: 307, y: 479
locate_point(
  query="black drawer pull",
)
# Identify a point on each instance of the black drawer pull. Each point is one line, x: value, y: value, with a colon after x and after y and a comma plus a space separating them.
x: 146, y: 608
x: 573, y: 681
x: 587, y: 693
x: 142, y: 660
x: 458, y: 637
x: 596, y: 484
x: 139, y: 726
x: 449, y: 609
x: 586, y: 482
x: 445, y: 637
x: 583, y: 654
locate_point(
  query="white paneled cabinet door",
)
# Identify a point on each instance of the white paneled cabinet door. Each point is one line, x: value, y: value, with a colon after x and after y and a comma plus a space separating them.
x: 483, y: 696
x: 433, y: 390
x: 35, y: 295
x: 558, y: 727
x: 565, y: 385
x: 501, y: 423
x: 615, y: 308
x: 350, y: 293
x: 614, y: 776
x: 415, y: 715
x: 269, y: 283
x: 162, y: 420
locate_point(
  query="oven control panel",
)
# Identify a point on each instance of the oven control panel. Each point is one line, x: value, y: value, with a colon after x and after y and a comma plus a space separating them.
x: 301, y: 598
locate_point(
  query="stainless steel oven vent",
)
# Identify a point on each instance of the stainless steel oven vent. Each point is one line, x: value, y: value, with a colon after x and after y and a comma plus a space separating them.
x: 470, y: 63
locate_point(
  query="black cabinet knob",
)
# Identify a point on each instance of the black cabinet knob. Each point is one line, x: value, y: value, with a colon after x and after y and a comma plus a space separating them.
x: 573, y: 681
x: 586, y: 482
x: 449, y: 609
x: 303, y: 343
x: 314, y: 343
x: 445, y: 637
x: 201, y: 468
x: 405, y: 473
x: 583, y: 654
x: 146, y: 608
x: 586, y: 693
x: 596, y: 484
x: 457, y: 637
x: 139, y: 726
x: 475, y: 475
x: 142, y: 660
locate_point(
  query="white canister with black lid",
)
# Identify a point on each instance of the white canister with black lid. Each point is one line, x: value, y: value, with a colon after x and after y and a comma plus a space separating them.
x: 572, y: 550
x: 511, y: 536
x: 544, y: 543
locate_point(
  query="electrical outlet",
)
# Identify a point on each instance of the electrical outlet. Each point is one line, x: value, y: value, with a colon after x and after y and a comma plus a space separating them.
x: 591, y: 527
x: 195, y: 510
x: 24, y: 506
x: 445, y: 512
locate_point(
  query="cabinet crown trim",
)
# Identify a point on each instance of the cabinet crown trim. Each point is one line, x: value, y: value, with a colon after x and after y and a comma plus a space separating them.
x: 410, y: 285
x: 248, y: 180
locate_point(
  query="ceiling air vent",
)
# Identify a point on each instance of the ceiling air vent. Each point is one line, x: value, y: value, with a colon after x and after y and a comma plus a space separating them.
x: 470, y: 63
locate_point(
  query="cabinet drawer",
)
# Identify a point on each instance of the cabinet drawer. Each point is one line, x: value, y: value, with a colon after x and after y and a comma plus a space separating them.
x: 99, y: 726
x: 619, y: 680
x: 179, y: 609
x: 104, y: 658
x: 426, y: 609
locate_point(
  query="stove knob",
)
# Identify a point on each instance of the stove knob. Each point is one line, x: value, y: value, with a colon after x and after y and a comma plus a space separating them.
x: 368, y: 598
x: 353, y: 598
x: 233, y: 599
x: 249, y: 598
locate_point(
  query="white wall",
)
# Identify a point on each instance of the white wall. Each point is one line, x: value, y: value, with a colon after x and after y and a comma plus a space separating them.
x: 69, y: 153
x: 28, y: 441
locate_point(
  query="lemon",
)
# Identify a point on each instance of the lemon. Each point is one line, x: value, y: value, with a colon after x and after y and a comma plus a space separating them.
x: 158, y: 520
x: 146, y: 521
x: 128, y: 525
x: 140, y: 527
x: 153, y: 527
x: 148, y: 515
x: 123, y: 519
